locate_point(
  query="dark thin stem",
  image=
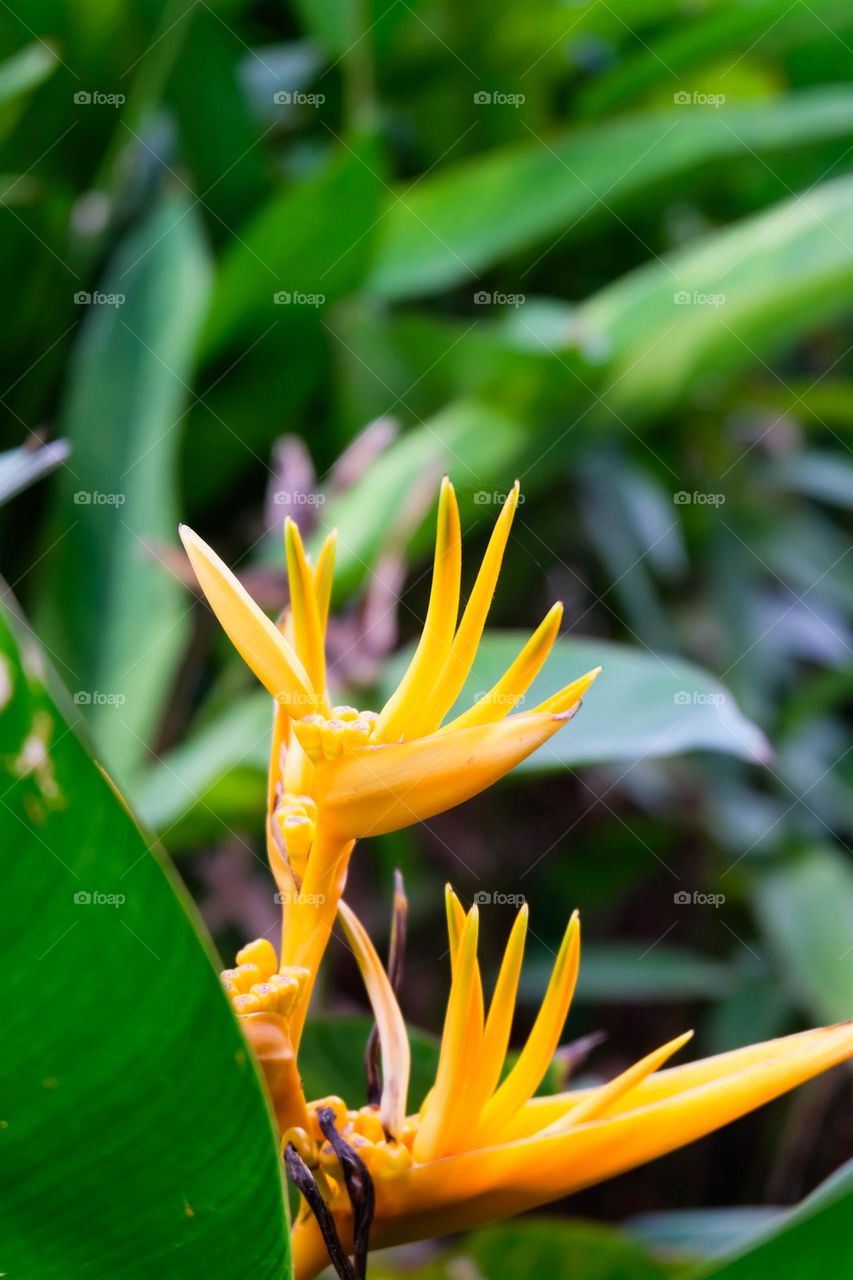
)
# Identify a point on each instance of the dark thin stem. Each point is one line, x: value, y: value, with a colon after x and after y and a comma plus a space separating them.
x: 396, y: 958
x: 305, y: 1182
x: 359, y: 1185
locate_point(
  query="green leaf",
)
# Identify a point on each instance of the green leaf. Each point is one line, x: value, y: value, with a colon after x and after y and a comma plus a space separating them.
x: 643, y: 705
x: 719, y: 305
x: 465, y: 217
x: 19, y: 76
x: 805, y: 906
x: 701, y: 1233
x: 536, y: 1248
x: 131, y: 1109
x: 624, y: 971
x: 19, y: 468
x: 813, y: 1240
x: 298, y: 246
x: 115, y: 619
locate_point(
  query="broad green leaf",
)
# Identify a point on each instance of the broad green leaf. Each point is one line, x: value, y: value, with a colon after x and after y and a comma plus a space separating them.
x: 812, y: 1240
x: 717, y: 306
x: 631, y: 971
x: 805, y: 906
x: 536, y: 1248
x: 297, y: 253
x: 131, y: 1110
x: 465, y: 217
x: 643, y: 705
x: 701, y: 1233
x: 115, y: 619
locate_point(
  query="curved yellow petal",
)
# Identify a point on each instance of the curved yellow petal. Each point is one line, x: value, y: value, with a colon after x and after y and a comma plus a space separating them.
x: 324, y: 576
x: 375, y: 789
x: 453, y: 675
x: 517, y: 678
x: 307, y: 627
x: 533, y: 1061
x: 405, y: 709
x: 459, y: 1038
x: 393, y: 1040
x: 563, y: 701
x: 487, y: 1071
x: 260, y: 644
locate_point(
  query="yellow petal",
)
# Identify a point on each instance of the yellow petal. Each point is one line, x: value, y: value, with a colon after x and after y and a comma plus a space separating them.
x: 599, y: 1101
x: 516, y: 680
x: 406, y: 707
x: 487, y: 1071
x: 376, y: 789
x: 533, y: 1061
x: 456, y: 1044
x: 307, y: 627
x: 259, y: 643
x: 570, y: 696
x: 393, y: 1040
x: 324, y: 577
x: 455, y: 921
x: 449, y: 684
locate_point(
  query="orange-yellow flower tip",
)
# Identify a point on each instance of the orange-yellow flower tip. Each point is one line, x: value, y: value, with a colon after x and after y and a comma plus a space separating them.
x: 261, y: 952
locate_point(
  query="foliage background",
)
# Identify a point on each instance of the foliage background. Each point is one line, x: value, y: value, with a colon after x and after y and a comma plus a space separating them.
x: 606, y: 248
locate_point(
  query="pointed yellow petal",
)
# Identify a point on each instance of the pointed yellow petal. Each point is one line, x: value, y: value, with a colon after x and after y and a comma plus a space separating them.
x: 260, y: 644
x: 599, y: 1101
x: 393, y: 1040
x: 455, y: 920
x: 487, y: 1072
x: 307, y: 627
x: 375, y: 789
x: 560, y: 703
x: 453, y: 1059
x: 400, y: 716
x: 467, y: 639
x: 324, y: 577
x: 516, y: 680
x: 534, y: 1059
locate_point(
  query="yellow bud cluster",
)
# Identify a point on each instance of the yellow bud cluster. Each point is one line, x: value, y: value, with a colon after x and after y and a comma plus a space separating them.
x: 295, y: 817
x: 254, y: 986
x: 325, y: 739
x: 363, y: 1131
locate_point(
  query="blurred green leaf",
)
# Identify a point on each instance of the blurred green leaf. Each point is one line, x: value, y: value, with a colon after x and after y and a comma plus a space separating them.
x: 114, y: 618
x: 813, y: 1240
x: 805, y: 906
x: 19, y: 75
x: 131, y: 1107
x: 624, y: 972
x: 331, y: 1060
x: 298, y: 246
x: 537, y: 1248
x: 701, y: 1233
x: 465, y: 217
x: 19, y: 468
x: 643, y: 705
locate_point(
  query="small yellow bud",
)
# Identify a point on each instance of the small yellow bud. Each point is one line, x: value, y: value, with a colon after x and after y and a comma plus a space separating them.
x: 261, y: 952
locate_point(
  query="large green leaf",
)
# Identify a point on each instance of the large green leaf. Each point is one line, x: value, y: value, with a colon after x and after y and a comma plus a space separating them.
x: 805, y: 905
x: 465, y: 217
x: 131, y: 1111
x: 813, y: 1240
x: 115, y: 619
x: 642, y: 706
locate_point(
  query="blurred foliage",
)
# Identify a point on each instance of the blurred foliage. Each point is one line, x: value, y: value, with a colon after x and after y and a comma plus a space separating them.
x: 607, y: 249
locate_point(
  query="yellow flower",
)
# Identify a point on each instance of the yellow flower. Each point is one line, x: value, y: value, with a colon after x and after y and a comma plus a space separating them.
x: 483, y: 1147
x: 336, y: 773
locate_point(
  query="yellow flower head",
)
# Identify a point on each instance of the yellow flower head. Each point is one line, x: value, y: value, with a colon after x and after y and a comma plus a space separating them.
x: 337, y: 773
x: 482, y: 1146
